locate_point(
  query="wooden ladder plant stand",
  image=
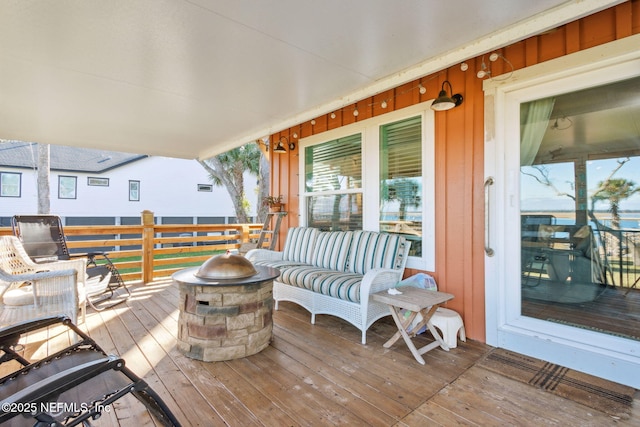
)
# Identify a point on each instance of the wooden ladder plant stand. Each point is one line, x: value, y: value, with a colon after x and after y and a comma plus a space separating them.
x: 268, y: 234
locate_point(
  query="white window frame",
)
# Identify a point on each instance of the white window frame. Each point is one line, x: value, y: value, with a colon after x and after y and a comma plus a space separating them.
x: 370, y: 131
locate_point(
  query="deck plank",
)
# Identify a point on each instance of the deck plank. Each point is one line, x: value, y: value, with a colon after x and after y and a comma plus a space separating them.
x: 365, y: 363
x: 495, y: 400
x: 259, y: 404
x: 296, y: 397
x: 375, y: 407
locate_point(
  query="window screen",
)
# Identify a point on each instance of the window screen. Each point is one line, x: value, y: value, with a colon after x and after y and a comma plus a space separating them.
x: 333, y: 177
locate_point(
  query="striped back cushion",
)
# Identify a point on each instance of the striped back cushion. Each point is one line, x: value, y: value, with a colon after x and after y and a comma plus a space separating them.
x: 373, y: 250
x: 332, y: 250
x: 299, y: 244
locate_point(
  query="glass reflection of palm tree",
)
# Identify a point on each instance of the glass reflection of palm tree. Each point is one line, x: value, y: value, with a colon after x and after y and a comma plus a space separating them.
x: 614, y: 191
x: 406, y: 192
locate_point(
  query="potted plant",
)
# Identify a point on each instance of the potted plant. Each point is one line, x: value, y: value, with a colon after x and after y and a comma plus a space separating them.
x: 273, y: 202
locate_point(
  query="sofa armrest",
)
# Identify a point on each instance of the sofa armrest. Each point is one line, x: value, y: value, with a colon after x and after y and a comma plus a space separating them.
x: 37, y: 276
x: 264, y: 255
x: 78, y: 264
x: 378, y: 279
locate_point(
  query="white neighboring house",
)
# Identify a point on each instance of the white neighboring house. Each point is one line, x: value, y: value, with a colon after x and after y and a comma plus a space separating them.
x: 92, y: 184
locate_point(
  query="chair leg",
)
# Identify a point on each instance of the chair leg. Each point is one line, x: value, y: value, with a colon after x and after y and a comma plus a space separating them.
x: 107, y: 295
x: 116, y: 283
x: 115, y: 276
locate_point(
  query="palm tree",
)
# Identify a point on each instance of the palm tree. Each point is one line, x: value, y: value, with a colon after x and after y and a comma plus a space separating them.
x: 227, y: 170
x: 614, y: 191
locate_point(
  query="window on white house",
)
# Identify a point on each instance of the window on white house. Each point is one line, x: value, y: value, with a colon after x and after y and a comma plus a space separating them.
x: 10, y: 184
x: 333, y: 182
x: 98, y: 182
x: 205, y: 187
x: 134, y: 191
x: 67, y: 187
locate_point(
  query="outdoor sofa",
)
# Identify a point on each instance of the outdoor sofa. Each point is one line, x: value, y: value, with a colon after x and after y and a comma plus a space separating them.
x: 336, y: 272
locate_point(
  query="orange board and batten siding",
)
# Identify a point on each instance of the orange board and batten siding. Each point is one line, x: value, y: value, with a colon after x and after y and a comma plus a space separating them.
x: 459, y: 150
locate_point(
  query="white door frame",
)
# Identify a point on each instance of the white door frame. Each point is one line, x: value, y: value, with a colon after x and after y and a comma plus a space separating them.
x: 599, y: 354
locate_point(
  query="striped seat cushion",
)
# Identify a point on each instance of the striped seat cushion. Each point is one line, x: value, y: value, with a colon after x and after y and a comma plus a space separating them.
x: 345, y: 286
x: 298, y: 246
x: 301, y: 276
x: 332, y: 250
x: 373, y: 250
x: 279, y: 264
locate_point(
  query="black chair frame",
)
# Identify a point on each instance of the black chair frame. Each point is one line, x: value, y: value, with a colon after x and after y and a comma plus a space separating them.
x: 43, y: 239
x: 59, y: 373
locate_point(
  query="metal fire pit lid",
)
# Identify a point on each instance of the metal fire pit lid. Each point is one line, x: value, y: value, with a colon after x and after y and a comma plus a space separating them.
x: 226, y: 266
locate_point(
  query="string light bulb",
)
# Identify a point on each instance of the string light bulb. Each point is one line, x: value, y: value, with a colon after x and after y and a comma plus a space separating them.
x: 423, y: 89
x: 485, y: 71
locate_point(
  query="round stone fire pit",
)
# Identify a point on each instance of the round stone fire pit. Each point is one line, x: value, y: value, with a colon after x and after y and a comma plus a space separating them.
x: 225, y: 307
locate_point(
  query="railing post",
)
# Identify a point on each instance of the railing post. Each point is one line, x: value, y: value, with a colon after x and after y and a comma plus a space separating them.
x: 244, y: 233
x: 147, y: 246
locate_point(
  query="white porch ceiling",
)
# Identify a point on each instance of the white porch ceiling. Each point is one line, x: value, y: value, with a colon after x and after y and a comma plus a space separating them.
x: 195, y: 78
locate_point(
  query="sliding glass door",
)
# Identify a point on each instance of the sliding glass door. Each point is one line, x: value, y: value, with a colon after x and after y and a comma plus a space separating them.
x: 580, y: 208
x: 563, y: 214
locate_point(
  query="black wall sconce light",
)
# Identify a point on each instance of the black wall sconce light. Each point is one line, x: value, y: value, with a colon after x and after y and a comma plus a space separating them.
x: 280, y: 146
x: 443, y: 102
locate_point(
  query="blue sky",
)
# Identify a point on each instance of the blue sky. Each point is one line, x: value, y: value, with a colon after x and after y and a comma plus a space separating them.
x: 536, y: 196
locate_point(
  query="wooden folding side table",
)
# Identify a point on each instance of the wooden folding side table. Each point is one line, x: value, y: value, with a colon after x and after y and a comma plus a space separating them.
x: 417, y: 301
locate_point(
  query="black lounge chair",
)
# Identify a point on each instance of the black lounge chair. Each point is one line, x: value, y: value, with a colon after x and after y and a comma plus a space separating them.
x: 43, y: 239
x: 71, y: 387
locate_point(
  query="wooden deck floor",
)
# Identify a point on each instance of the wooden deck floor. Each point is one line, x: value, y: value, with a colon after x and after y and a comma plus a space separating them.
x: 316, y: 375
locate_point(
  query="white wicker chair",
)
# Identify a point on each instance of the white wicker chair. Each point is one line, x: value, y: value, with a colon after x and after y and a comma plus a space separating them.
x: 31, y: 290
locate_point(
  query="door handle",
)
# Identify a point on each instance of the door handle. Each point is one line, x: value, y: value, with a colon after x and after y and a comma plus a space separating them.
x: 487, y: 217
